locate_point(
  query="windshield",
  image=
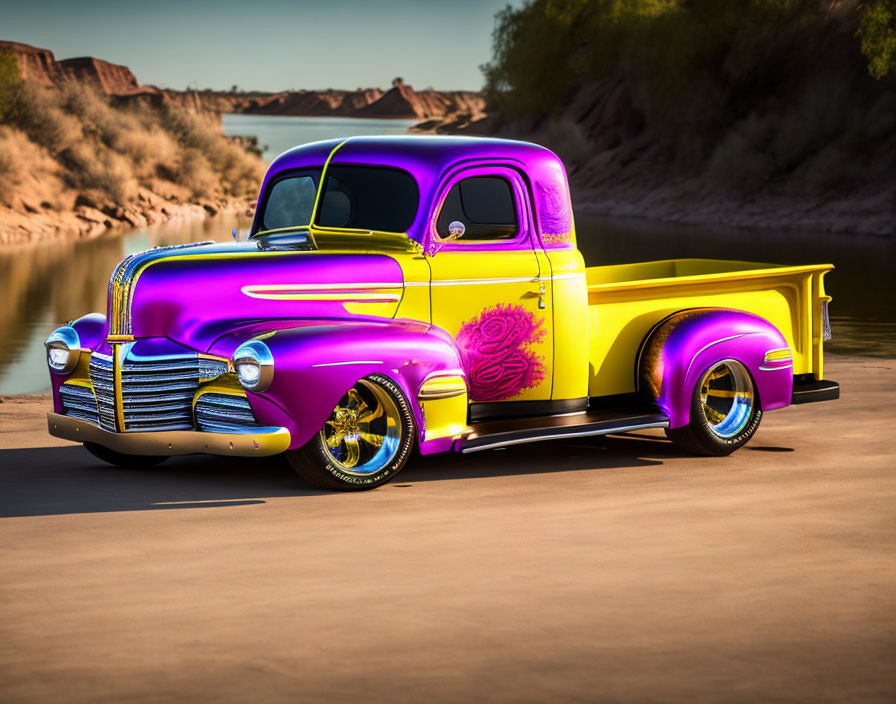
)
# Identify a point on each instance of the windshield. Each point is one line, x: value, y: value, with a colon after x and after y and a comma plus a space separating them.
x: 355, y: 197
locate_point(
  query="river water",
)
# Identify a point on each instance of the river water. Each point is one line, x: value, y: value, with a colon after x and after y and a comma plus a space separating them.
x: 46, y: 285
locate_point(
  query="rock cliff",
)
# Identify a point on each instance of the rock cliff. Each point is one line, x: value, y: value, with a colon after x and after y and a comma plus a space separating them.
x: 401, y: 101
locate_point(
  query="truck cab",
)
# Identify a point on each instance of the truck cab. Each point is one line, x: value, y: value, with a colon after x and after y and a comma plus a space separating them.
x: 426, y: 292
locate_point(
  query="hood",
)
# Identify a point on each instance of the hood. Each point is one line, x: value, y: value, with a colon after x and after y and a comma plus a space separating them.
x: 193, y: 294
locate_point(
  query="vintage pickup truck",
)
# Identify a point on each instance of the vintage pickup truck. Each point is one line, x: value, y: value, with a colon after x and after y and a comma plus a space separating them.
x: 426, y: 294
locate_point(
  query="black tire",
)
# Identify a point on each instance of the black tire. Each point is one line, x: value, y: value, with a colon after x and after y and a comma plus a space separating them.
x: 701, y: 436
x: 316, y: 462
x: 122, y: 460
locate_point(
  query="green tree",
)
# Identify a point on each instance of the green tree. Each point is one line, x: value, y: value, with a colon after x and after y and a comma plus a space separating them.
x: 10, y: 85
x: 877, y: 31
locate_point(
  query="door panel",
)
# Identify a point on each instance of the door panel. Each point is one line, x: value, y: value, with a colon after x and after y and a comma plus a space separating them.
x: 489, y: 302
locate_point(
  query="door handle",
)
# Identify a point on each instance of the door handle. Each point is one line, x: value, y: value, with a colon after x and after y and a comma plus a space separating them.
x: 541, y: 294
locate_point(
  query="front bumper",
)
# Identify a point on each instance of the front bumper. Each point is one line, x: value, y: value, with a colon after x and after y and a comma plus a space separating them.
x: 255, y: 442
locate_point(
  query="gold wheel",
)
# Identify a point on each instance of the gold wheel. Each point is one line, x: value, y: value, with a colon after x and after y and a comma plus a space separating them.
x: 726, y: 398
x: 363, y: 433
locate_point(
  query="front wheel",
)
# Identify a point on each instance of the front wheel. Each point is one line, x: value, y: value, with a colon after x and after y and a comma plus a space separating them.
x: 121, y: 460
x: 725, y: 412
x: 366, y: 441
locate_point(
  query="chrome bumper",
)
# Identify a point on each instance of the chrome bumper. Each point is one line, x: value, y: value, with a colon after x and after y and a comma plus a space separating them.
x: 256, y: 442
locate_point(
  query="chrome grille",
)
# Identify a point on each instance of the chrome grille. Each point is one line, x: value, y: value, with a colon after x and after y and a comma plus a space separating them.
x: 223, y: 413
x: 158, y: 393
x: 104, y: 388
x: 78, y: 402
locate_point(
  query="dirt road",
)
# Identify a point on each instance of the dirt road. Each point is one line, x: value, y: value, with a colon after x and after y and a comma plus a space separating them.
x: 609, y: 569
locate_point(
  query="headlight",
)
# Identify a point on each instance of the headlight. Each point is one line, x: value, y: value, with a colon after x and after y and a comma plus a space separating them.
x: 63, y: 349
x: 254, y: 365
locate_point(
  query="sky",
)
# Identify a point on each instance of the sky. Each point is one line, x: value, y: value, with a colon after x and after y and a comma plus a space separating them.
x: 268, y: 45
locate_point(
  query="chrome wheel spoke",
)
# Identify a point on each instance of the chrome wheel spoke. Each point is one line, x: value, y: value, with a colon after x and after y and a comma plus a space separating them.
x: 723, y: 393
x: 354, y: 400
x: 713, y: 416
x: 373, y: 439
x: 352, y: 451
x: 369, y: 415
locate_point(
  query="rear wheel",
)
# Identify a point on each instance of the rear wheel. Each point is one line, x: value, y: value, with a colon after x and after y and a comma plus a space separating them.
x: 725, y: 411
x: 366, y: 441
x: 122, y: 460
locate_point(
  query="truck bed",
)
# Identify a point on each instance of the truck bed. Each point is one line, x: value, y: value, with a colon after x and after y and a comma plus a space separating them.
x: 625, y: 301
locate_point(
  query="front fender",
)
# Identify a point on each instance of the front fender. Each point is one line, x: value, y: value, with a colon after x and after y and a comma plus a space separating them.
x: 680, y: 348
x: 315, y: 365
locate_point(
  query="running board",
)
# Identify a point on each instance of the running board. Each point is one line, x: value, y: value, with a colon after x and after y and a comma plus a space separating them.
x: 487, y: 435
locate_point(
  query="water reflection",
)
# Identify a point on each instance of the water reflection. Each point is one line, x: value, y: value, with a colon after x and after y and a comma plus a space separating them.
x: 48, y: 285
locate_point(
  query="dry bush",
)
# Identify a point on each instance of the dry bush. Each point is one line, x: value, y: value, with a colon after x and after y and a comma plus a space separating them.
x: 108, y: 152
x: 38, y: 114
x: 237, y: 171
x: 11, y: 163
x: 98, y: 169
x: 148, y: 149
x: 196, y: 173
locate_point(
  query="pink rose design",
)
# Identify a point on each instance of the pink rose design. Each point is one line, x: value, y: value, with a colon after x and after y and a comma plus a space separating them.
x: 492, y: 347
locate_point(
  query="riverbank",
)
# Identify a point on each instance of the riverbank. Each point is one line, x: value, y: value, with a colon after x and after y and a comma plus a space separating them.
x: 74, y: 163
x: 33, y: 224
x: 640, y: 178
x: 604, y: 569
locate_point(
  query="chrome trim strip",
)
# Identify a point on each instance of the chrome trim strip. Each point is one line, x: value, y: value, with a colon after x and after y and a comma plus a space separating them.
x: 564, y: 436
x: 513, y: 280
x: 789, y: 365
x: 254, y: 442
x: 706, y: 347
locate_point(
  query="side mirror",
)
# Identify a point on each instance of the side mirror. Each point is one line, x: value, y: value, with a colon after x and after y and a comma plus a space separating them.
x: 456, y: 230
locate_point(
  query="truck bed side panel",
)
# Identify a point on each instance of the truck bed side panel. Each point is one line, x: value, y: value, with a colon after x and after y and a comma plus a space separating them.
x: 622, y: 309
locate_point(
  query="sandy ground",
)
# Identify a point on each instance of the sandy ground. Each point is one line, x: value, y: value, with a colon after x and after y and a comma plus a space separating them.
x: 609, y: 569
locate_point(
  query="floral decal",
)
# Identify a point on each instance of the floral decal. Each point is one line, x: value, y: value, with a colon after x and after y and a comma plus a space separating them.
x: 493, y: 351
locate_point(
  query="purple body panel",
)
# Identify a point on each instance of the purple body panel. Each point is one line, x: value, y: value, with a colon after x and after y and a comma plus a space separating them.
x: 430, y: 160
x: 195, y: 301
x: 688, y: 343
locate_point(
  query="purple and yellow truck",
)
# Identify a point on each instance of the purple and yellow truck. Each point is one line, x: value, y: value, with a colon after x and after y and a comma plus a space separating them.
x: 425, y: 294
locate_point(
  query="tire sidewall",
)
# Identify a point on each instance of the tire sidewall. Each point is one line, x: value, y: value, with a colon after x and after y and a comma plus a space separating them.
x: 398, y: 461
x: 702, y: 428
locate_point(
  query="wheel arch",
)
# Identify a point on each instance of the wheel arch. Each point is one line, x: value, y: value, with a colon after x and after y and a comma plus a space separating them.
x: 315, y: 366
x: 680, y: 347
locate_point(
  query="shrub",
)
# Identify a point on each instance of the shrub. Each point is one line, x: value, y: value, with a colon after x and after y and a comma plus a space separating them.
x: 10, y: 85
x: 877, y: 30
x: 11, y: 163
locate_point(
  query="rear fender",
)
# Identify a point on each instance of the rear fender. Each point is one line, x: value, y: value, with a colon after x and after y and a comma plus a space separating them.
x: 315, y: 365
x: 681, y: 347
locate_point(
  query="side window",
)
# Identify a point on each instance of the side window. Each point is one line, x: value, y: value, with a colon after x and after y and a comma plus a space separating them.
x: 485, y: 205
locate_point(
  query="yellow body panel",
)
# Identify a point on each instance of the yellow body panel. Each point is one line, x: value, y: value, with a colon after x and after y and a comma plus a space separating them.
x: 443, y: 401
x: 625, y: 301
x: 570, y: 318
